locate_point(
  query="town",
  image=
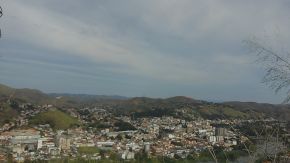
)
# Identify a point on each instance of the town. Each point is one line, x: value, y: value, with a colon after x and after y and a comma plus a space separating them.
x: 117, y: 137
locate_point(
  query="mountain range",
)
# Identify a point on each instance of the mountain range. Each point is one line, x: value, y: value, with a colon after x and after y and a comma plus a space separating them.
x: 144, y: 106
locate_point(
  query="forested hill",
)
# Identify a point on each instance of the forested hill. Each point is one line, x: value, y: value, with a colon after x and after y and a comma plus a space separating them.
x: 147, y: 107
x: 280, y: 111
x: 62, y: 100
x: 24, y: 95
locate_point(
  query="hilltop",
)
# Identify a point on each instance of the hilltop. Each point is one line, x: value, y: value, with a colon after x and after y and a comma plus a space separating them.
x: 34, y: 96
x: 179, y: 106
x: 23, y: 95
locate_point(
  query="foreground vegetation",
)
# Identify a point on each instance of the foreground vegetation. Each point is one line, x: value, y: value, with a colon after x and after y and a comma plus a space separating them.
x: 205, y: 156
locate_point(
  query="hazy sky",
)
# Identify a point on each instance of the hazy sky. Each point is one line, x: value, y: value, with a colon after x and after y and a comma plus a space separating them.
x: 155, y: 48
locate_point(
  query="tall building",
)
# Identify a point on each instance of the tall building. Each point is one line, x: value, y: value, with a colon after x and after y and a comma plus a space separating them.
x: 147, y: 147
x: 63, y: 142
x: 24, y: 140
x: 221, y: 132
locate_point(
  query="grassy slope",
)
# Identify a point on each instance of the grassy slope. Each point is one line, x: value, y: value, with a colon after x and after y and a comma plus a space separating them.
x: 57, y: 119
x: 88, y: 150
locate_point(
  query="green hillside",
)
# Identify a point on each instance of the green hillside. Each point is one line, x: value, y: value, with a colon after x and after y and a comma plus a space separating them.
x: 215, y: 111
x: 57, y: 119
x: 148, y: 107
x: 7, y: 114
x: 37, y: 97
x: 142, y: 106
x: 5, y: 92
x: 24, y: 95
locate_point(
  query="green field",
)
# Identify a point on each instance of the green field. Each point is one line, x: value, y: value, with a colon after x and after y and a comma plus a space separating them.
x: 88, y: 150
x: 56, y: 118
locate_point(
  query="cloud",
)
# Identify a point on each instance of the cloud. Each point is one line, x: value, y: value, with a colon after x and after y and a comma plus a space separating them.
x: 53, y: 31
x: 166, y: 41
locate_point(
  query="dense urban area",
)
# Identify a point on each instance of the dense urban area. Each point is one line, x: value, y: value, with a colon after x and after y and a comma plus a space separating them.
x: 108, y: 132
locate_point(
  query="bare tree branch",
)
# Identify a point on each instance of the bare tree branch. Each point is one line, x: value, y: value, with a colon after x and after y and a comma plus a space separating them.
x: 277, y: 67
x: 1, y: 14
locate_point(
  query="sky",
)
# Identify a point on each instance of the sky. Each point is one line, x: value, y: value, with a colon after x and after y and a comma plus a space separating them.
x: 153, y: 48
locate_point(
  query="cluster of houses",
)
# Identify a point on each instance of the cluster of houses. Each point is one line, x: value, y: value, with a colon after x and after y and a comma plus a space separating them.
x: 156, y: 136
x: 164, y: 136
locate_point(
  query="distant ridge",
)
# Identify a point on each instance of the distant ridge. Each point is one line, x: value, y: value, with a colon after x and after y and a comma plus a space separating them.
x: 89, y: 96
x: 146, y: 106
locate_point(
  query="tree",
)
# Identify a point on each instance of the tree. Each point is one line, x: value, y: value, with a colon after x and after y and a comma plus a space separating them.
x: 277, y: 76
x: 277, y: 66
x: 1, y: 14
